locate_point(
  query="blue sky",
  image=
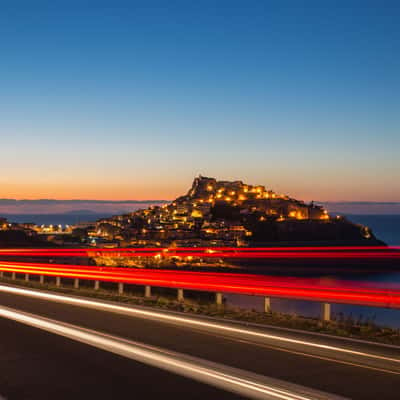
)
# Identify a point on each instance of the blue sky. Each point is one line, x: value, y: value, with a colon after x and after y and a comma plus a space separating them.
x: 123, y: 100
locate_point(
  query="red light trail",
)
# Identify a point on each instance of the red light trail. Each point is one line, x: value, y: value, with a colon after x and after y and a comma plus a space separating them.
x: 334, y: 252
x: 295, y: 288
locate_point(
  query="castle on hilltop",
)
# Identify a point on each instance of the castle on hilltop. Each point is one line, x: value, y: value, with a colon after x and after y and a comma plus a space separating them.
x: 251, y: 198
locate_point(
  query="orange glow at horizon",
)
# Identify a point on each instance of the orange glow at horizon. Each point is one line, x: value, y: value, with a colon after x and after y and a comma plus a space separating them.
x: 107, y: 191
x: 151, y: 188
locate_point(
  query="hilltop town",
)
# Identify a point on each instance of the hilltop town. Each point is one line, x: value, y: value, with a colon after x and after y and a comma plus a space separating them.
x: 221, y: 213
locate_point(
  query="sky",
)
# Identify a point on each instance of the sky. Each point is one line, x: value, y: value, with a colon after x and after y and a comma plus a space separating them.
x: 130, y: 100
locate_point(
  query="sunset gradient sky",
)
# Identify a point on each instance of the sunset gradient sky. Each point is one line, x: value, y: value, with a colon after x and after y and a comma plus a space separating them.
x: 112, y: 100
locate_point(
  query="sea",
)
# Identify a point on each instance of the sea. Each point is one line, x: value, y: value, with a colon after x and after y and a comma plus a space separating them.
x: 385, y: 227
x: 55, y: 219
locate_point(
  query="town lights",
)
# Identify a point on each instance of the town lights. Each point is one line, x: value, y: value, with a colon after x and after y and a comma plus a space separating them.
x: 210, y: 251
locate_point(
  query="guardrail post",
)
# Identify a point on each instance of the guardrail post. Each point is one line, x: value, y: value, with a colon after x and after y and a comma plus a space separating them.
x: 41, y: 279
x: 27, y: 277
x: 58, y: 281
x: 76, y: 283
x: 96, y: 285
x: 13, y: 276
x: 147, y: 291
x: 267, y: 304
x: 180, y: 295
x: 218, y: 299
x: 326, y: 311
x: 120, y: 288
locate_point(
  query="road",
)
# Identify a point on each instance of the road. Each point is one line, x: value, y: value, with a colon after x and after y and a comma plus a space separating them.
x: 37, y: 364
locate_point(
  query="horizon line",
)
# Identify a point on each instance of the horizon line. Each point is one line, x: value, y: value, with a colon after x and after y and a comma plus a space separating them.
x: 170, y: 200
x: 89, y: 200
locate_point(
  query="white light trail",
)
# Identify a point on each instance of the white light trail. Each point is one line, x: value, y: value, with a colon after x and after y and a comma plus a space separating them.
x: 230, y: 379
x: 187, y: 321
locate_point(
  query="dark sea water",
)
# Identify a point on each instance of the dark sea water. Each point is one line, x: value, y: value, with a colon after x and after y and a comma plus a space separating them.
x: 385, y: 227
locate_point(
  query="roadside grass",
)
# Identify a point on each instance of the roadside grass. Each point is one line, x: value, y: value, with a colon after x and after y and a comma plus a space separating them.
x: 202, y: 304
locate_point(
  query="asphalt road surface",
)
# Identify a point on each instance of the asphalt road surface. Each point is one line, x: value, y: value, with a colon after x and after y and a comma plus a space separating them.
x: 36, y: 364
